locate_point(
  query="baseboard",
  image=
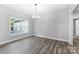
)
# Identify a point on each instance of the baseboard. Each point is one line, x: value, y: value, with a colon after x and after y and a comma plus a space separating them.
x: 5, y: 42
x: 59, y: 39
x: 1, y: 43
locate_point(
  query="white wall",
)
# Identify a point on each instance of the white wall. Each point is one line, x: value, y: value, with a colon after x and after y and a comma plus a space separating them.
x: 5, y: 12
x: 57, y: 24
x: 54, y: 24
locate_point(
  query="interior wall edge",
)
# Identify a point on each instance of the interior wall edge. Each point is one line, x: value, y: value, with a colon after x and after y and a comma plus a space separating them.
x: 15, y: 39
x: 54, y: 38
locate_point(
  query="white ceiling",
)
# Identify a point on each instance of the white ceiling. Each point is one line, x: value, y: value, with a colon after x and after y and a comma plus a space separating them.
x: 42, y: 8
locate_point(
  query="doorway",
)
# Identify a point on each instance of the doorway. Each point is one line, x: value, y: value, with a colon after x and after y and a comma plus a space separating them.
x: 76, y: 28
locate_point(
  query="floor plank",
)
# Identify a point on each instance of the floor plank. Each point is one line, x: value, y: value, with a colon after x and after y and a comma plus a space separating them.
x: 39, y: 45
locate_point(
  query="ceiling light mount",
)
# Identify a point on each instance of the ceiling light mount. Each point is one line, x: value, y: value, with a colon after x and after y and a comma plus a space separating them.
x: 35, y: 4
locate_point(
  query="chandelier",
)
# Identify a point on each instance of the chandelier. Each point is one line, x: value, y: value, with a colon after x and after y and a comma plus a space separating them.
x: 35, y: 16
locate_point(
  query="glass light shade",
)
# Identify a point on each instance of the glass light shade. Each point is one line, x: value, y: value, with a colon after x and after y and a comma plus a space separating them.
x: 35, y: 17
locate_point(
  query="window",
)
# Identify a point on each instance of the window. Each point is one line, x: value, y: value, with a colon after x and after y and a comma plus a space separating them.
x: 18, y: 25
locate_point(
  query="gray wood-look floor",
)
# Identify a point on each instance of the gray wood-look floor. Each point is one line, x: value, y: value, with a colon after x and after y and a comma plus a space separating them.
x: 38, y: 45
